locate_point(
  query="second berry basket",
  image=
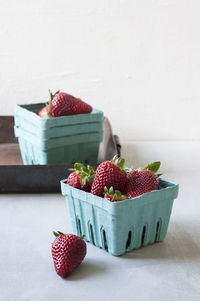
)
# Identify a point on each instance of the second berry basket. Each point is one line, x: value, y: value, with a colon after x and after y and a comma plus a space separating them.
x: 59, y: 140
x: 119, y: 227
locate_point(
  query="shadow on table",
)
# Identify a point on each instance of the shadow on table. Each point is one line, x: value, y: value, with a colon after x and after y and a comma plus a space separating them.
x: 179, y: 245
x: 87, y: 269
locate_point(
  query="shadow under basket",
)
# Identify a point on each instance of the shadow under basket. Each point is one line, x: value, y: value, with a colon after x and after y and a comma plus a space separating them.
x: 120, y: 227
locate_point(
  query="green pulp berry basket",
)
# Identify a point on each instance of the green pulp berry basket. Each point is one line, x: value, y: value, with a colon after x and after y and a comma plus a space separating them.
x: 60, y: 140
x: 119, y: 227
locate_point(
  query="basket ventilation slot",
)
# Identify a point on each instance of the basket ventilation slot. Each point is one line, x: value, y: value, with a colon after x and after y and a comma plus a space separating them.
x: 143, y: 235
x: 79, y: 227
x: 91, y: 234
x: 128, y: 240
x: 158, y: 227
x: 105, y: 245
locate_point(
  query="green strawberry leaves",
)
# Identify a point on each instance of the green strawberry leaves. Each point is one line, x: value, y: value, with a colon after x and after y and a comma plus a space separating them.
x: 58, y: 233
x: 106, y: 190
x: 77, y: 167
x: 154, y: 167
x: 119, y: 162
x: 86, y: 174
x: 115, y: 194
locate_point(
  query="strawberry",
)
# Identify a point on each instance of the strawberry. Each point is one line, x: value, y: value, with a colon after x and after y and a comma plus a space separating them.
x: 142, y: 181
x: 68, y: 251
x: 109, y: 173
x: 63, y: 104
x: 44, y: 112
x: 113, y: 195
x: 81, y: 177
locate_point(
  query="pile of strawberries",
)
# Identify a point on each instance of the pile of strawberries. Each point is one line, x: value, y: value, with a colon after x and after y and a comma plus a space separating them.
x: 113, y: 181
x: 63, y: 104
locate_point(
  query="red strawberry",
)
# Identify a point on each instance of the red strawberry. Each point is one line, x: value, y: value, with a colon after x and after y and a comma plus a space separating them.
x: 113, y: 195
x: 109, y: 173
x: 68, y: 251
x: 142, y: 181
x: 82, y: 177
x: 64, y: 104
x: 44, y: 113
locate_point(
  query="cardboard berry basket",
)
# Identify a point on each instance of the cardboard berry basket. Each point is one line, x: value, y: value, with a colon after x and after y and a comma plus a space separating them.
x: 60, y: 140
x: 41, y: 178
x: 119, y: 227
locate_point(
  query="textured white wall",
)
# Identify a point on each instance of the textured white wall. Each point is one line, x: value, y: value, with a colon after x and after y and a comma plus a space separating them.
x: 136, y: 60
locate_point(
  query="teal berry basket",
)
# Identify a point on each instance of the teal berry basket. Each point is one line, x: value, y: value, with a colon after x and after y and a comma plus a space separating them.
x: 120, y: 227
x: 60, y: 140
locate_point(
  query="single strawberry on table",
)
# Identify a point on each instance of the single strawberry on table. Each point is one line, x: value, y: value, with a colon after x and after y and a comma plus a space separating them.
x: 113, y: 195
x: 142, y: 181
x: 81, y: 177
x: 68, y: 251
x: 109, y: 173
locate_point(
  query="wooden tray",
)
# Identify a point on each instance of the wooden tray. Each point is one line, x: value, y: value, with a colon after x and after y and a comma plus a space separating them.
x: 16, y: 177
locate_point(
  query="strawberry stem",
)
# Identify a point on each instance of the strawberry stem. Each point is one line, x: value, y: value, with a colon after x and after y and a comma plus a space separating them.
x: 119, y: 162
x: 61, y: 233
x: 55, y: 234
x: 58, y: 233
x: 51, y: 98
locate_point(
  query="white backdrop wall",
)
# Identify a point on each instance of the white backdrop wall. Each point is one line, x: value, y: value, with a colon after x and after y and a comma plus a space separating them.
x: 137, y: 60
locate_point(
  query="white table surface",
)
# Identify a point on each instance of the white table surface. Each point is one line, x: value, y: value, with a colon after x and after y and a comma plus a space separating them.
x: 164, y: 271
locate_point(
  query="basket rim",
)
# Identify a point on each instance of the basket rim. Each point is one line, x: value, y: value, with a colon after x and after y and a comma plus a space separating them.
x: 169, y: 190
x: 52, y: 122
